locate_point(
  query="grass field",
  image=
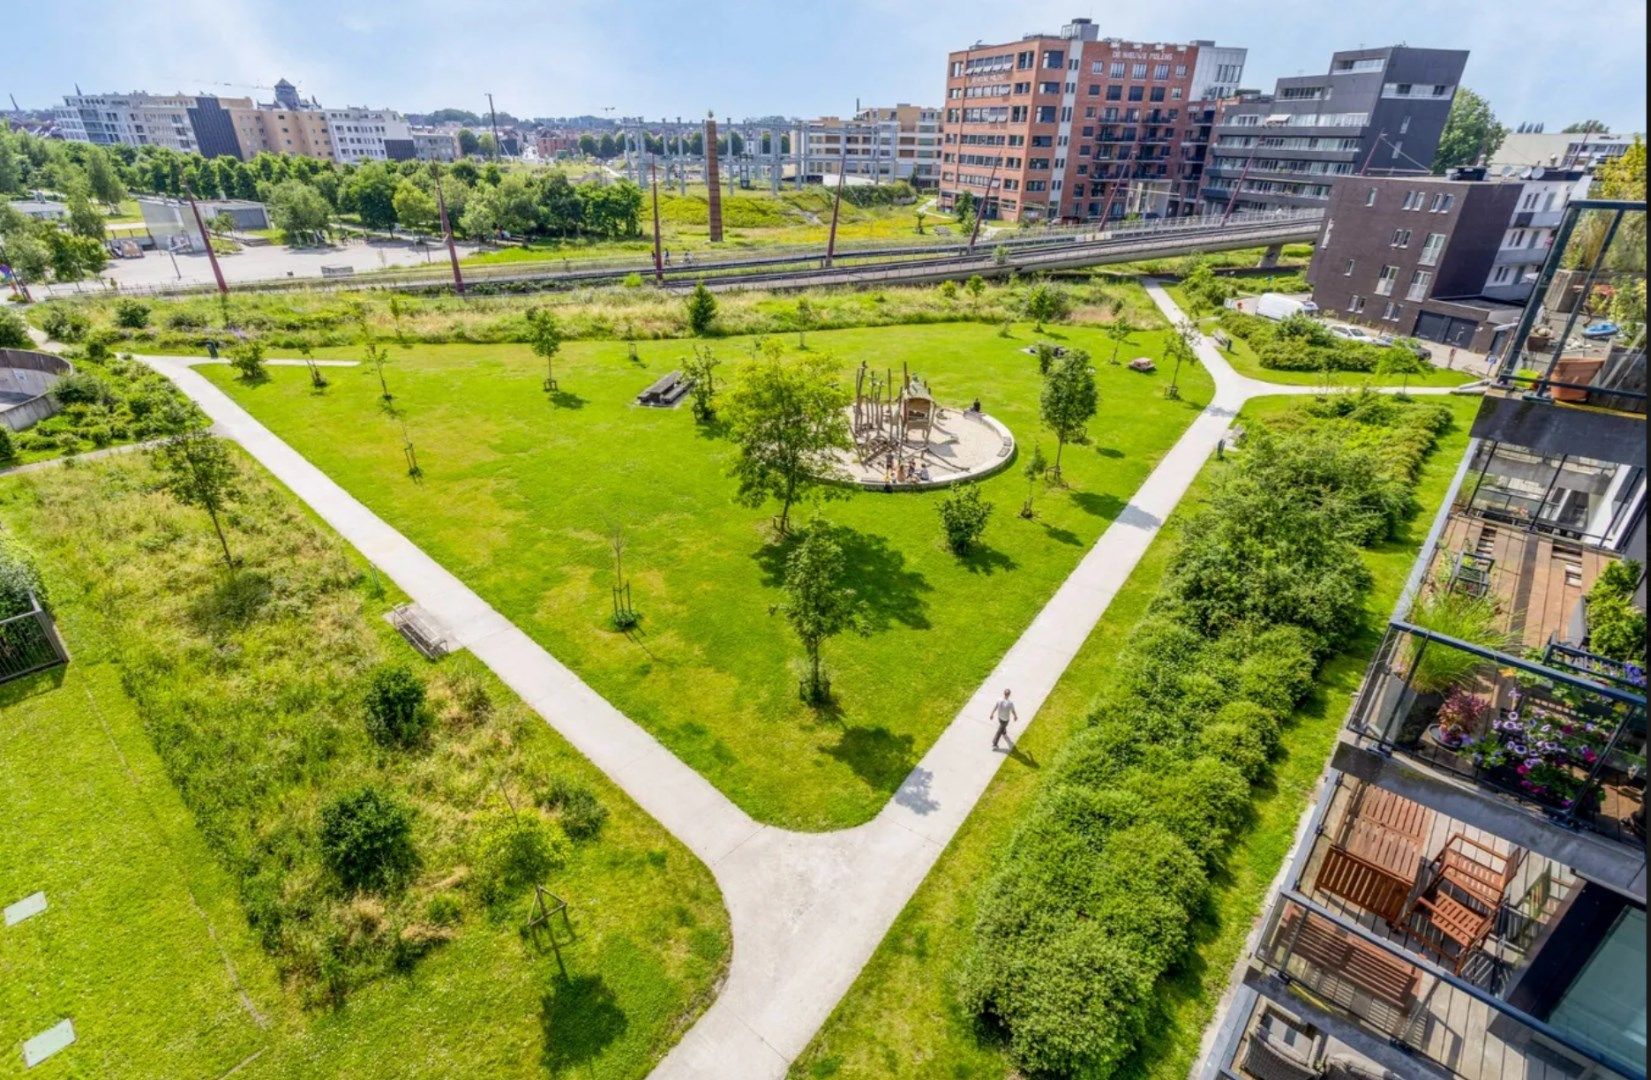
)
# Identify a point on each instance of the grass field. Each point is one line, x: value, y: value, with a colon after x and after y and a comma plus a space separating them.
x: 147, y: 943
x: 900, y: 1019
x: 521, y: 490
x: 751, y: 220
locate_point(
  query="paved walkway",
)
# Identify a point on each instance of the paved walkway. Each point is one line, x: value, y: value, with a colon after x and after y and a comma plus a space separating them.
x: 807, y: 909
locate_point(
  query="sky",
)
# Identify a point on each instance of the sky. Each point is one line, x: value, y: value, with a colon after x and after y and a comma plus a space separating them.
x: 748, y: 58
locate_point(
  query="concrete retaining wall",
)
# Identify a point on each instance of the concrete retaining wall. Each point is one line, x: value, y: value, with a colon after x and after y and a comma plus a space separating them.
x: 30, y: 376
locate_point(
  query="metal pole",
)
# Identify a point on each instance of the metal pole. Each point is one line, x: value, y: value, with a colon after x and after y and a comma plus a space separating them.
x: 1232, y: 200
x: 212, y: 256
x: 494, y: 117
x: 980, y: 211
x: 836, y: 204
x: 447, y: 233
x: 659, y: 266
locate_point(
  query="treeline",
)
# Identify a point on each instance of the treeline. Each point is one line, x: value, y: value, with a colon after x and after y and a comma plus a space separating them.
x: 1097, y: 898
x: 305, y: 194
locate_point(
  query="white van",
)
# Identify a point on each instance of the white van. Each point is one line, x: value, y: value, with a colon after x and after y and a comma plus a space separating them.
x: 1274, y: 305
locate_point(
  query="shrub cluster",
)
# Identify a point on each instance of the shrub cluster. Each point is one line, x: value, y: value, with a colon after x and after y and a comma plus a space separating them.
x: 106, y: 400
x: 1299, y: 344
x: 1094, y: 902
x: 1616, y: 628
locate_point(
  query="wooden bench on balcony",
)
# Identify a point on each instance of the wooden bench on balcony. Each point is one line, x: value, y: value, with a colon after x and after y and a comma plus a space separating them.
x: 1353, y: 973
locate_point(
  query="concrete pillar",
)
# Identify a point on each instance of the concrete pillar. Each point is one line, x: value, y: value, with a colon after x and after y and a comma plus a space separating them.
x: 713, y: 180
x: 1270, y: 257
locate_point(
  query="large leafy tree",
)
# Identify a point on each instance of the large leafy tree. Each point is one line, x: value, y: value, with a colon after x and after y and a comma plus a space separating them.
x: 415, y: 207
x: 101, y: 176
x: 1069, y: 401
x: 371, y: 193
x: 1471, y: 133
x: 787, y: 418
x: 297, y: 208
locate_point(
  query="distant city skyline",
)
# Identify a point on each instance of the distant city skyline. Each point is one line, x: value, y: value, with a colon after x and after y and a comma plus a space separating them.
x: 742, y: 57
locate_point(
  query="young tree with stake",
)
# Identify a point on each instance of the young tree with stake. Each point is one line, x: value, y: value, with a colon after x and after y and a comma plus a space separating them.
x: 545, y: 337
x: 1069, y: 401
x: 197, y: 470
x: 1036, y: 465
x: 818, y: 605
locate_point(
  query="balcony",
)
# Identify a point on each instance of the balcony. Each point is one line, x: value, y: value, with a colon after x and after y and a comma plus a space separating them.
x: 1583, y: 342
x: 1408, y: 943
x: 1561, y: 736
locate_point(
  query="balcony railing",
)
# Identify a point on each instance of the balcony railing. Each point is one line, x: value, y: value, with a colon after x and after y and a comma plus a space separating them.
x: 1419, y: 1008
x: 1536, y: 734
x: 1582, y: 338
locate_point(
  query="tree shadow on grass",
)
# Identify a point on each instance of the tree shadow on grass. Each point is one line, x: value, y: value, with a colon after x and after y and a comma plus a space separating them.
x: 1109, y: 451
x: 234, y: 601
x: 885, y: 591
x: 983, y: 559
x: 1062, y: 536
x: 876, y: 755
x: 566, y: 399
x: 580, y: 1018
x: 1105, y: 506
x: 713, y: 428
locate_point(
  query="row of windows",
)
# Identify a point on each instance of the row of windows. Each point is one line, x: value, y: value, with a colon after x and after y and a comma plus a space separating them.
x: 1116, y: 70
x: 1353, y: 119
x: 1390, y: 313
x: 1291, y: 142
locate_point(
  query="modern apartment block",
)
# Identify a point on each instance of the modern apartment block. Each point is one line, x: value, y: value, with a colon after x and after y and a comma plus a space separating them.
x: 1450, y: 260
x: 1558, y: 150
x: 1072, y: 126
x: 1466, y: 898
x: 184, y: 122
x: 901, y: 142
x: 1375, y: 112
x: 237, y: 127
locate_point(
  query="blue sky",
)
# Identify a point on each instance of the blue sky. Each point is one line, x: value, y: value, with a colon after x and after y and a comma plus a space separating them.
x: 742, y: 57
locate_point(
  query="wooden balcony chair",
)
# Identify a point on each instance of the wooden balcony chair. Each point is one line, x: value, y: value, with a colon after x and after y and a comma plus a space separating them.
x: 1454, y: 922
x: 1476, y: 870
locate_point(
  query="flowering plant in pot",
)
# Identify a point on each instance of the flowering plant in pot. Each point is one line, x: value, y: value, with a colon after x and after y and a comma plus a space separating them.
x: 1458, y: 717
x: 1542, y: 751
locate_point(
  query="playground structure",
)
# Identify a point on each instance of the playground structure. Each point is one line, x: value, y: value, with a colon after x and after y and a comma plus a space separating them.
x: 904, y: 438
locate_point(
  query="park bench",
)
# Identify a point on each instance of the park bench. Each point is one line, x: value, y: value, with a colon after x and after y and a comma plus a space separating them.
x: 662, y: 386
x: 1222, y: 340
x: 419, y: 630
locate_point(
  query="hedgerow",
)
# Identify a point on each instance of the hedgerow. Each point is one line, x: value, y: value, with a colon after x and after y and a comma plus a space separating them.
x: 1094, y: 901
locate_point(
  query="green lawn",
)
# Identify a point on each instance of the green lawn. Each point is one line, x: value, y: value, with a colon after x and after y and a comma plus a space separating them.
x: 147, y: 944
x: 520, y: 492
x: 901, y: 1019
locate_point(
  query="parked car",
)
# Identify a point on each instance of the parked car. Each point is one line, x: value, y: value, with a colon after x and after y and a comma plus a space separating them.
x: 1353, y: 333
x: 1278, y: 306
x: 1421, y: 351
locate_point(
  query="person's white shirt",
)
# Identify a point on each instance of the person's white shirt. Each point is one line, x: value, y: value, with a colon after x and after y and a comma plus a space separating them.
x: 1003, y: 711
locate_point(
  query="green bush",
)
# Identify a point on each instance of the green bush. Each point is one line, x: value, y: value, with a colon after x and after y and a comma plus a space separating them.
x: 515, y: 852
x: 963, y: 517
x: 63, y: 323
x: 82, y: 388
x: 131, y: 314
x: 396, y: 713
x: 8, y: 449
x: 580, y: 811
x: 1616, y: 628
x: 367, y: 841
x: 19, y: 576
x: 1090, y: 907
x: 14, y: 333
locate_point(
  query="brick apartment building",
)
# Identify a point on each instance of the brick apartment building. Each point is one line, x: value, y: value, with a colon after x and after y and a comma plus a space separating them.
x: 1450, y: 260
x: 1075, y: 127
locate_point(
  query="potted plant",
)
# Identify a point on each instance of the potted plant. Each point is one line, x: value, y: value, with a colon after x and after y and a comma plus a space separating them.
x: 1457, y: 719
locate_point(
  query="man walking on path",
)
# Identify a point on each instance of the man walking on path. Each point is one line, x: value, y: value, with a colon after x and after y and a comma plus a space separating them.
x: 1003, y: 712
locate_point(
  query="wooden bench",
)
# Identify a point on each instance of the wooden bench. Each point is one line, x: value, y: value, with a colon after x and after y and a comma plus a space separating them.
x: 1342, y: 964
x: 662, y: 389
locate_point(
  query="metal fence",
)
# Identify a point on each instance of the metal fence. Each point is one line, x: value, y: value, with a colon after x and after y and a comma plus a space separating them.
x: 29, y: 643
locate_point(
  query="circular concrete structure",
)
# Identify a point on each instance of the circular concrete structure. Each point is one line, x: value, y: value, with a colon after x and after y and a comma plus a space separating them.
x: 963, y: 446
x: 26, y: 381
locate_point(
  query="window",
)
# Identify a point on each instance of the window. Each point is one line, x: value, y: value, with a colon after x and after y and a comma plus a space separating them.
x: 1391, y: 312
x: 1137, y: 71
x: 1175, y: 93
x: 1049, y: 88
x: 1160, y: 71
x: 1117, y: 69
x: 1503, y: 273
x: 1419, y: 282
x: 1445, y: 204
x: 1114, y: 92
x: 1094, y: 89
x: 1137, y: 93
x: 1516, y: 238
x: 1356, y: 304
x: 1054, y: 58
x: 1045, y: 114
x: 1384, y: 282
x: 1180, y: 71
x: 1431, y: 247
x: 1401, y: 238
x: 1157, y: 94
x: 1349, y: 269
x: 1409, y: 197
x: 1370, y: 197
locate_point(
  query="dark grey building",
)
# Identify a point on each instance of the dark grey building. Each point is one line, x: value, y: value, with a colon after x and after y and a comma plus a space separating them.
x: 1376, y: 111
x: 214, y: 129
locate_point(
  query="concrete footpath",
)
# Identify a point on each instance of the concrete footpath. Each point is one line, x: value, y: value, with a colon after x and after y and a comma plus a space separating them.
x: 807, y: 909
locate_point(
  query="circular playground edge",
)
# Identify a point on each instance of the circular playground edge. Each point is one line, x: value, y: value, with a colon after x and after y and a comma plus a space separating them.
x: 964, y: 446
